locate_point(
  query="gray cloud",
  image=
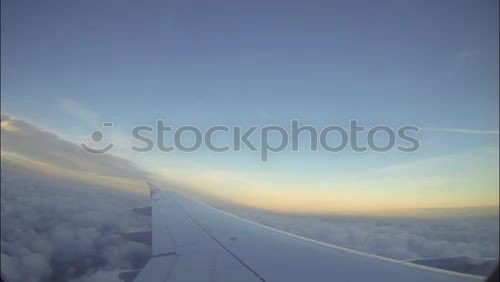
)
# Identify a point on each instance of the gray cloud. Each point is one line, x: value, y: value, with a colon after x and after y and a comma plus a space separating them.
x: 55, y: 229
x: 20, y: 137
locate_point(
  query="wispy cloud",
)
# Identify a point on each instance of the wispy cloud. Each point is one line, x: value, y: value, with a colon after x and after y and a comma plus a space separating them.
x: 461, y: 130
x: 487, y: 156
x: 78, y: 111
x: 428, y: 162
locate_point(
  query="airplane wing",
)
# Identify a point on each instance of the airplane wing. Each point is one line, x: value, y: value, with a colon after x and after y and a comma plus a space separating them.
x: 192, y: 241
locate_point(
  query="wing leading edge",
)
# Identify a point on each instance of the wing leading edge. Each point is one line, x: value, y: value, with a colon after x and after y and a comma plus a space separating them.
x: 192, y: 241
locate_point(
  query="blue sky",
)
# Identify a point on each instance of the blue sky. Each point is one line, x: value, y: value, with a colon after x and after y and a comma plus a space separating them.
x: 68, y: 66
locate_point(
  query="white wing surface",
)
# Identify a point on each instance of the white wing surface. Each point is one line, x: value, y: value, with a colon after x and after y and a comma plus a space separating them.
x: 192, y: 241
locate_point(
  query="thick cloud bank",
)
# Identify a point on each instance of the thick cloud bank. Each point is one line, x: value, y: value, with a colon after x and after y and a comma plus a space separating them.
x: 53, y: 229
x: 25, y: 139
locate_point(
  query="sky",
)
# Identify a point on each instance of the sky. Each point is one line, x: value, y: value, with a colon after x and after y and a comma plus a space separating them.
x: 67, y: 67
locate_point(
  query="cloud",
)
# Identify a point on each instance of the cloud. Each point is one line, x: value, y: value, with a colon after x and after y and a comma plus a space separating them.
x: 55, y: 229
x: 461, y: 130
x: 484, y: 157
x: 423, y: 163
x: 78, y: 111
x: 28, y: 144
